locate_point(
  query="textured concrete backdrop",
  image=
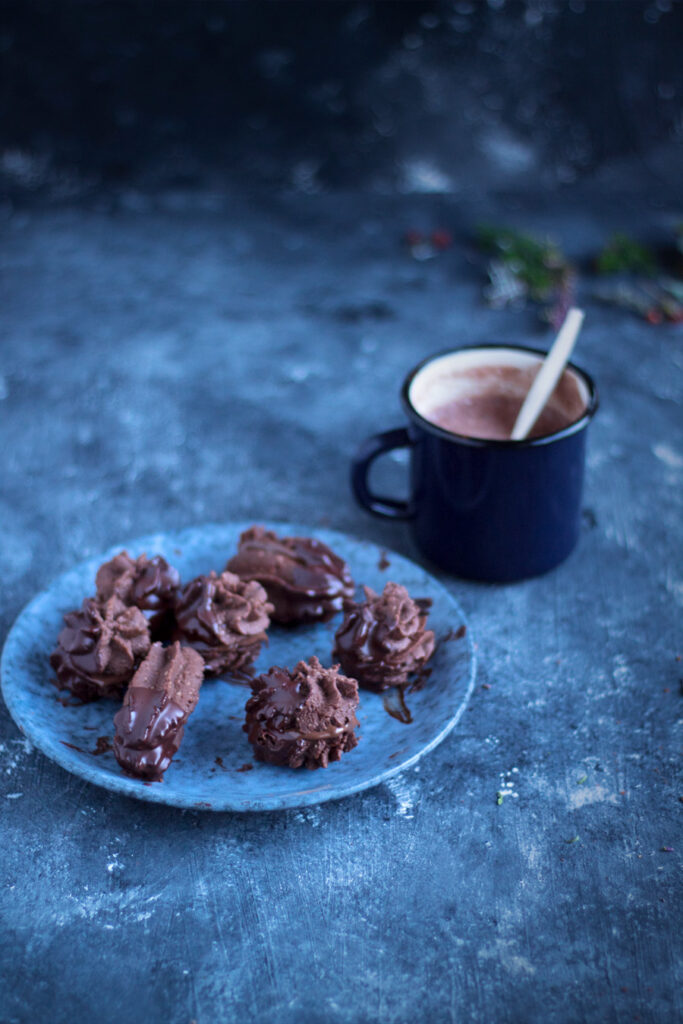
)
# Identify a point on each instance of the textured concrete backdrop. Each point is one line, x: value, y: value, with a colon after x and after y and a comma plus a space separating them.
x: 204, y: 307
x: 204, y: 356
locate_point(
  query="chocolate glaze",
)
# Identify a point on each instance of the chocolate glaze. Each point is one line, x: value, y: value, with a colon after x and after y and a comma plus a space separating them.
x: 149, y: 728
x: 150, y: 724
x: 99, y: 649
x: 305, y: 717
x: 225, y: 619
x: 150, y: 584
x: 383, y: 640
x: 303, y: 577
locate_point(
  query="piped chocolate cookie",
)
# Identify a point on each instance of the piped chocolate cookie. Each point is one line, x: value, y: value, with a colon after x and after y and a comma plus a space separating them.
x: 383, y: 640
x: 225, y: 619
x: 305, y: 717
x: 99, y: 649
x: 304, y: 579
x: 151, y: 584
x: 150, y: 725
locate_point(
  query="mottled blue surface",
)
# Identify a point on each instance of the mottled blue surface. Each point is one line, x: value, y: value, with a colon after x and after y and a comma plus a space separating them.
x: 218, y: 356
x: 206, y: 773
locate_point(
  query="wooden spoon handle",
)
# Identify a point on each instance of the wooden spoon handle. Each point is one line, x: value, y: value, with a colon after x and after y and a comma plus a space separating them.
x: 547, y: 377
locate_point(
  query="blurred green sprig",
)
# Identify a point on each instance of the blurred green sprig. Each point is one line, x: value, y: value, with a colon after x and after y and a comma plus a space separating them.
x: 622, y: 254
x: 538, y: 263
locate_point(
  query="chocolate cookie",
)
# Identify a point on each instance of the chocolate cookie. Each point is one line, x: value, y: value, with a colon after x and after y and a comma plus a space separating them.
x: 305, y: 717
x: 383, y: 640
x: 304, y: 579
x: 149, y: 726
x: 99, y: 649
x: 150, y: 584
x: 224, y: 618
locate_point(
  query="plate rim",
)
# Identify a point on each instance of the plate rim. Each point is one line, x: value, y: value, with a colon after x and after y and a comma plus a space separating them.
x: 131, y: 788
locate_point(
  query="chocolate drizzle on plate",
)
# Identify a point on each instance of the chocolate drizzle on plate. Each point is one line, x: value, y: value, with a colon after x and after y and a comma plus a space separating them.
x: 395, y: 705
x: 454, y: 634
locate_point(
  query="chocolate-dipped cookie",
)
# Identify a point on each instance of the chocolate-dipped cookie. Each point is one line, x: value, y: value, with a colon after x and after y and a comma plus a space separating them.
x: 383, y: 640
x: 304, y: 579
x: 225, y: 619
x: 150, y: 724
x: 305, y: 717
x: 150, y: 584
x: 99, y: 649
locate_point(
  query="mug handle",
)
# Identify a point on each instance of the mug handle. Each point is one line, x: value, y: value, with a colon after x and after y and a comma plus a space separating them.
x: 372, y: 448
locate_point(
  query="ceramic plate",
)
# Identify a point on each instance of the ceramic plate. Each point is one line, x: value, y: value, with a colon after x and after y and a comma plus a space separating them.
x: 214, y: 768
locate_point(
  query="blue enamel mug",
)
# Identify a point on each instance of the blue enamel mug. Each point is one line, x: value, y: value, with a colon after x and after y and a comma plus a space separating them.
x: 483, y: 507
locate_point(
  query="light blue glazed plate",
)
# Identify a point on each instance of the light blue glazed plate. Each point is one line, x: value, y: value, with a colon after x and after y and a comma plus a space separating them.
x: 209, y: 770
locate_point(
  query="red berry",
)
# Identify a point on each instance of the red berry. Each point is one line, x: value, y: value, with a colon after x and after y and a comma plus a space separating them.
x: 442, y: 239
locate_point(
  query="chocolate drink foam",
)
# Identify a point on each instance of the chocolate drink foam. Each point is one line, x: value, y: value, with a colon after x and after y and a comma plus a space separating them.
x: 478, y: 394
x: 489, y: 410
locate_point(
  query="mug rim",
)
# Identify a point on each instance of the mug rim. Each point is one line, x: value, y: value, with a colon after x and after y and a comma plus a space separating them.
x: 483, y: 442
